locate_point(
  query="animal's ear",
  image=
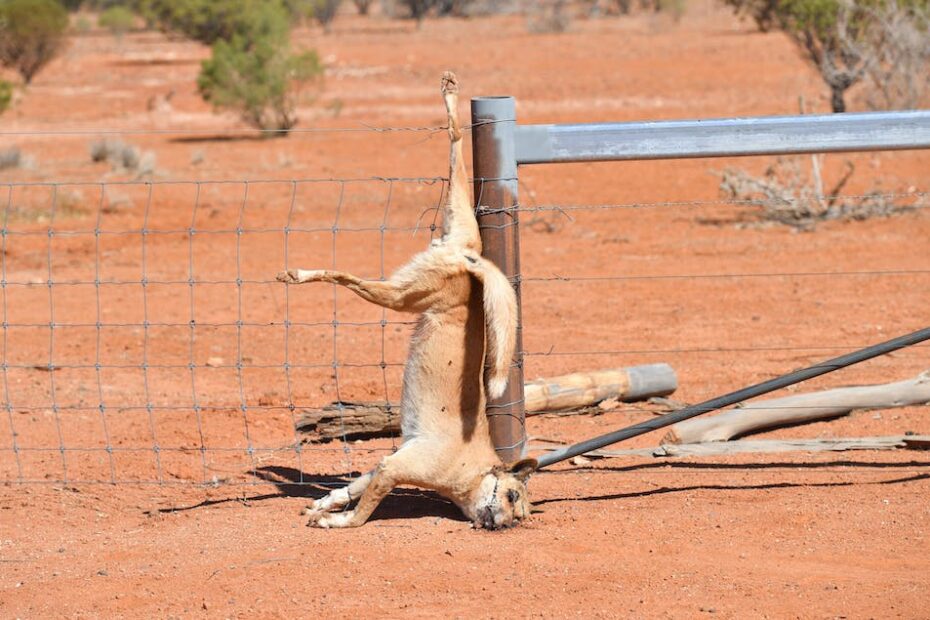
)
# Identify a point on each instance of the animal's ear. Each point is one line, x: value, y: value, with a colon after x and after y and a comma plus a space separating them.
x: 523, y: 468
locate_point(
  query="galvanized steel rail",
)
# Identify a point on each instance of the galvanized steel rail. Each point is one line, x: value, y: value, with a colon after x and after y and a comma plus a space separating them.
x: 730, y: 137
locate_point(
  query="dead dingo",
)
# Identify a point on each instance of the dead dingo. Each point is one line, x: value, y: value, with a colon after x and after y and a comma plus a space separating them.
x: 467, y: 314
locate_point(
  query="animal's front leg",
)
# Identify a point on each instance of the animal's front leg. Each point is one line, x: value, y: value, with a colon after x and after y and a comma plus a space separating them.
x: 302, y: 276
x: 382, y: 481
x: 342, y: 497
x: 406, y: 294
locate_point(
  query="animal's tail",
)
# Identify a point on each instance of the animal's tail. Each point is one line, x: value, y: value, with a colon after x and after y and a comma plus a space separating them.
x: 500, y: 316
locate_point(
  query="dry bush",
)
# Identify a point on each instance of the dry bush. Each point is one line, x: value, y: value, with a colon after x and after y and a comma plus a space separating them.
x: 123, y: 157
x: 11, y: 158
x: 64, y: 205
x: 787, y: 194
x: 324, y: 12
x: 600, y: 8
x: 897, y: 47
x: 547, y: 16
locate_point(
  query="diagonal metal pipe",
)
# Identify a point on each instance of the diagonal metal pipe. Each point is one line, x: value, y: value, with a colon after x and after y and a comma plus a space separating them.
x: 732, y: 398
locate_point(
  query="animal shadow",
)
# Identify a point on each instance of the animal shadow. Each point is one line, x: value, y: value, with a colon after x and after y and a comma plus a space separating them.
x: 401, y: 503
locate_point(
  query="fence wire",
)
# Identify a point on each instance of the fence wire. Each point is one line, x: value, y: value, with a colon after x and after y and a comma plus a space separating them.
x: 146, y: 339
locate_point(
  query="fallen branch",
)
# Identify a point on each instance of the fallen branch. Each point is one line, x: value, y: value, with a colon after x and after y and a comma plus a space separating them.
x: 583, y: 389
x: 767, y: 446
x: 799, y: 409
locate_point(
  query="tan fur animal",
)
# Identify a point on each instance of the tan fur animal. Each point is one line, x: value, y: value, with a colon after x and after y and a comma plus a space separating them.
x: 468, y: 321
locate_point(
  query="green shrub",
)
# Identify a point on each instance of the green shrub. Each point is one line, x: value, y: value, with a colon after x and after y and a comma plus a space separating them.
x: 258, y: 76
x: 117, y: 19
x: 82, y: 25
x: 31, y: 34
x: 6, y: 95
x: 209, y: 21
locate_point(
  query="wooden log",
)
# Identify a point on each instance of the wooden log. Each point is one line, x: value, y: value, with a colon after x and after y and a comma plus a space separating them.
x: 799, y: 409
x: 583, y: 389
x: 768, y: 446
x: 350, y: 420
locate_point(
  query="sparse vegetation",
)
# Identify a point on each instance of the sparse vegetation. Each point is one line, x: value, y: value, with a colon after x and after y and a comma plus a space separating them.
x: 6, y: 95
x: 123, y: 157
x: 117, y: 19
x: 10, y: 158
x: 209, y: 21
x: 418, y: 8
x: 62, y: 205
x: 252, y: 69
x: 898, y: 49
x: 258, y: 76
x: 362, y: 6
x: 82, y: 25
x: 32, y: 32
x: 324, y: 11
x: 885, y: 41
x: 787, y: 194
x: 548, y: 16
x: 673, y: 8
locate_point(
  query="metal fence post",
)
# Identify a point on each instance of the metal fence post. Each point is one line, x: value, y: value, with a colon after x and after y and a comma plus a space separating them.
x: 495, y: 172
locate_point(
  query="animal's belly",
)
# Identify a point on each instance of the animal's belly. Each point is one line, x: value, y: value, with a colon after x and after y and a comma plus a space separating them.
x: 443, y: 379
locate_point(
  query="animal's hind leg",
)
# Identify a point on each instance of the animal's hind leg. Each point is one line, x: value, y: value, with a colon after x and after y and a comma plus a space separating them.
x: 458, y: 218
x: 342, y: 497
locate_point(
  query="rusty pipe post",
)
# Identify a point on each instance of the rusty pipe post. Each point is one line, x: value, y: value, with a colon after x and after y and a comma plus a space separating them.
x: 495, y: 171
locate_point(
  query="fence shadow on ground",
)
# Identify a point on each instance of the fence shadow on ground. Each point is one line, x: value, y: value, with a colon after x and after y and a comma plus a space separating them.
x: 725, y: 487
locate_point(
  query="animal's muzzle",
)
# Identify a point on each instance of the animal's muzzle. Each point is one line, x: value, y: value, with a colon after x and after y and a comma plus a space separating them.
x: 485, y: 519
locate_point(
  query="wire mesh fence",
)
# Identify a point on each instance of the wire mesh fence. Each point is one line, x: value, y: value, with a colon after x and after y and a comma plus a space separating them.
x: 146, y: 340
x: 158, y: 309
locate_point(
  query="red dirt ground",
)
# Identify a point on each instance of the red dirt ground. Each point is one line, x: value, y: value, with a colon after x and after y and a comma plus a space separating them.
x: 800, y: 535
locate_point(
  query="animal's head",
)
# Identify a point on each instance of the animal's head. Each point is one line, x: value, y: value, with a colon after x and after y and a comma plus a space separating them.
x: 502, y: 498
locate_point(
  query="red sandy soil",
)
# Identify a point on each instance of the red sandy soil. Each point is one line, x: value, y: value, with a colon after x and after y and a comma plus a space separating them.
x: 798, y: 535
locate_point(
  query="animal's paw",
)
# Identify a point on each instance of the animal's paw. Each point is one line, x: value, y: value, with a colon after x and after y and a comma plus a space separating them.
x: 312, y: 509
x: 328, y: 520
x: 314, y: 517
x: 324, y: 504
x: 289, y: 276
x: 450, y: 84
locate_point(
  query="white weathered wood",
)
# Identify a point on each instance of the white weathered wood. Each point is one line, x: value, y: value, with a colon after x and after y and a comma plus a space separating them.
x: 798, y: 409
x: 766, y: 446
x: 763, y: 446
